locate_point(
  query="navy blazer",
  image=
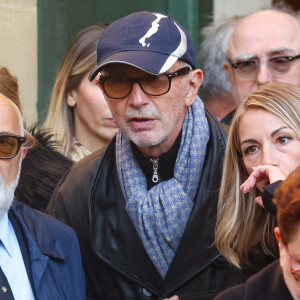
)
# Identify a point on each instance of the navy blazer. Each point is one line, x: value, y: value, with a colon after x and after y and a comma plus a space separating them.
x: 54, y: 254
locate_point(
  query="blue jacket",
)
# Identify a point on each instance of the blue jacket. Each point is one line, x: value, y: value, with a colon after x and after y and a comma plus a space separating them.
x: 55, y: 257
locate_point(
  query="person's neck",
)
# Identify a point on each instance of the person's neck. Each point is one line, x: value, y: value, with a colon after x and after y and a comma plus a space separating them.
x: 155, y: 151
x: 219, y: 106
x: 89, y: 139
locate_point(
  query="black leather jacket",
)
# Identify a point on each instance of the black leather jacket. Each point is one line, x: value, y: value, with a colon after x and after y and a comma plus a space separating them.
x: 90, y: 200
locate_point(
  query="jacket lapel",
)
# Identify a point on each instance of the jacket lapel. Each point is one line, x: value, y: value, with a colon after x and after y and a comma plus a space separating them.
x: 117, y: 243
x: 41, y: 240
x: 196, y: 250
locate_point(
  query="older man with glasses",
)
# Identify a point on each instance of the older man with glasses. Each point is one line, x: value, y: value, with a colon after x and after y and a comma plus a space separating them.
x: 144, y: 210
x: 264, y: 47
x: 39, y: 256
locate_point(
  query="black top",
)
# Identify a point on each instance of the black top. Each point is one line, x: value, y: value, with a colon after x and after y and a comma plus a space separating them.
x: 268, y: 284
x: 166, y: 163
x: 267, y: 197
x: 228, y: 118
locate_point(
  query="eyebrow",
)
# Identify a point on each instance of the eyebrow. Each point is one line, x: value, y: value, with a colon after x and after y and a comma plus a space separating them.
x: 280, y: 50
x: 272, y: 134
x: 279, y: 129
x: 245, y: 56
x: 249, y: 56
x: 248, y: 141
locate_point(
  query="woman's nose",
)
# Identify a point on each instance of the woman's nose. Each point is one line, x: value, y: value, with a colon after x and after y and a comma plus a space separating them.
x: 269, y: 156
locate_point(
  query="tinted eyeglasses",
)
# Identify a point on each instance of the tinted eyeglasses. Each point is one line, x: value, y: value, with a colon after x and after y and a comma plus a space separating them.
x: 10, y: 145
x: 117, y: 87
x: 278, y: 66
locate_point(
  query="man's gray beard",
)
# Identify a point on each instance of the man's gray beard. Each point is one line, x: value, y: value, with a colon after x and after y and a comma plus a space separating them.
x: 7, y: 192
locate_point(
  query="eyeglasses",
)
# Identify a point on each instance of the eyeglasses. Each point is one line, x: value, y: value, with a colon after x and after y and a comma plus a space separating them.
x: 117, y: 87
x: 10, y: 145
x: 248, y: 69
x: 295, y: 272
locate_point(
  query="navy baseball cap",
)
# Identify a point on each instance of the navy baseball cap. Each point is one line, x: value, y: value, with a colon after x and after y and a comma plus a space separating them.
x: 152, y: 42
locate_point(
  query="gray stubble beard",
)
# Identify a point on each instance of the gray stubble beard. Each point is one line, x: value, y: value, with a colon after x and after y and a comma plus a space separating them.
x: 7, y: 192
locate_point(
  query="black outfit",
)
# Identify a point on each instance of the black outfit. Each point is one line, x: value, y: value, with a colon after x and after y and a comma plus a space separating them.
x: 268, y: 284
x: 117, y: 266
x: 166, y: 163
x: 42, y: 168
x: 267, y: 197
x: 228, y: 118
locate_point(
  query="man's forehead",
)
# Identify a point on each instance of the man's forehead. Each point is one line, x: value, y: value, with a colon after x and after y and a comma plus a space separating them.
x: 264, y: 32
x: 9, y: 116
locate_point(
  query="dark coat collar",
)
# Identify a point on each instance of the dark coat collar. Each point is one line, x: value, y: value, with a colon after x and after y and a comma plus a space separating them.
x: 40, y: 237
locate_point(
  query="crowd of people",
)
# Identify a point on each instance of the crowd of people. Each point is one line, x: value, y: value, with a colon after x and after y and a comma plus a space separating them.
x: 135, y: 188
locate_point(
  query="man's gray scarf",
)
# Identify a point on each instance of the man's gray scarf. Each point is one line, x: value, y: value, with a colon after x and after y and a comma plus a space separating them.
x: 160, y: 215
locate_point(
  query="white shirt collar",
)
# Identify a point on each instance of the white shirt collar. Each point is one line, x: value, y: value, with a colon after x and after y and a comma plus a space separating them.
x: 6, y: 234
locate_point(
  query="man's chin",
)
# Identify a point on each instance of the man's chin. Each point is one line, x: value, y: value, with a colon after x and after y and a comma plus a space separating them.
x: 144, y: 140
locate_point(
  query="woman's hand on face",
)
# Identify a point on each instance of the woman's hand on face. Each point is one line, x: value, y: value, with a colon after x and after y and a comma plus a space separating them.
x: 260, y: 177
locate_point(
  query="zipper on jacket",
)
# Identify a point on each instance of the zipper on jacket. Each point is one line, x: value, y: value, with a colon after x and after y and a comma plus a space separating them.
x: 155, y: 168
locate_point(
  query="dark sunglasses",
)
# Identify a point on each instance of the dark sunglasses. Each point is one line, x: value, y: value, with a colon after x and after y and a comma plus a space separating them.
x: 10, y: 145
x: 118, y: 87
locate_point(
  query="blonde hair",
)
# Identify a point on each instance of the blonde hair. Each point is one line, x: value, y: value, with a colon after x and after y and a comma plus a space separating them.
x: 242, y: 224
x: 79, y: 59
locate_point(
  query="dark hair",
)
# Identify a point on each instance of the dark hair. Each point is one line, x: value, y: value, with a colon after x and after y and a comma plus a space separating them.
x: 287, y: 199
x: 42, y: 169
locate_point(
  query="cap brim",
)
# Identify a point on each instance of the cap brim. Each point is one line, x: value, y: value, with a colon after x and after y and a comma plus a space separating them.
x: 150, y: 62
x: 94, y: 73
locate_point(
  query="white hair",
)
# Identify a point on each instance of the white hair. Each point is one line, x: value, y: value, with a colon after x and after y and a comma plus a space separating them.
x: 212, y: 56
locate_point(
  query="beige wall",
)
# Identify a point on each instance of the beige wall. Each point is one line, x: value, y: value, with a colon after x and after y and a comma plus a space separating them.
x: 18, y: 51
x: 227, y: 8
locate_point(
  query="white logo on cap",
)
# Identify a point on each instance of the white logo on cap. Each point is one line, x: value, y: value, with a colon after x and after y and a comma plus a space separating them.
x: 179, y: 52
x: 152, y: 30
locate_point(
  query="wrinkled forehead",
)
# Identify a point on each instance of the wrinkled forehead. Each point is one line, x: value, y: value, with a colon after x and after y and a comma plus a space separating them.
x: 265, y: 34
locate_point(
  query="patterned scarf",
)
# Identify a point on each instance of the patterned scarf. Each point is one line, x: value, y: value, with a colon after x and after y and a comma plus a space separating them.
x: 160, y: 215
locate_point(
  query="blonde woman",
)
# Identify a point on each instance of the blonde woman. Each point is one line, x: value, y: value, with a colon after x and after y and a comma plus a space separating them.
x: 265, y: 134
x: 281, y: 279
x: 78, y: 115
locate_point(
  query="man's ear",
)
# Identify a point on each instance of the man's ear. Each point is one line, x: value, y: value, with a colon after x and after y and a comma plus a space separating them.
x: 277, y: 234
x: 71, y: 98
x: 194, y: 82
x: 24, y: 152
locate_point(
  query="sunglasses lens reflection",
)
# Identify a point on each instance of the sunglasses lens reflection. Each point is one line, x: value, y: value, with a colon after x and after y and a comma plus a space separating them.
x: 8, y: 146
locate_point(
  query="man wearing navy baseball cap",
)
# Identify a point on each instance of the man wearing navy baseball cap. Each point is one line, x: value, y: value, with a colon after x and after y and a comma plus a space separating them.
x: 144, y: 208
